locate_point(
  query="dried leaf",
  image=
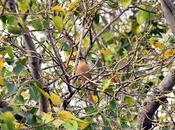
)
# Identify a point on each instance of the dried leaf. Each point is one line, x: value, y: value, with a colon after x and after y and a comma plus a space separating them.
x: 84, y: 124
x: 65, y: 115
x: 1, y: 63
x: 1, y: 80
x: 168, y: 53
x: 159, y: 45
x: 73, y: 6
x: 58, y: 8
x: 106, y: 52
x: 95, y: 98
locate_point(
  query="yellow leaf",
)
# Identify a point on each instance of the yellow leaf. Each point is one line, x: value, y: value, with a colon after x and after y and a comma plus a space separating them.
x: 162, y: 118
x: 56, y: 100
x: 59, y: 23
x: 24, y: 5
x: 137, y: 29
x: 8, y: 116
x: 125, y: 3
x: 47, y: 117
x: 23, y: 108
x: 73, y: 6
x: 58, y: 122
x: 168, y: 53
x: 19, y: 126
x: 83, y: 125
x: 95, y: 98
x: 25, y: 94
x: 1, y: 80
x: 58, y: 8
x: 65, y: 115
x: 106, y: 84
x: 159, y: 45
x: 13, y: 105
x: 43, y: 92
x: 106, y: 52
x: 1, y: 63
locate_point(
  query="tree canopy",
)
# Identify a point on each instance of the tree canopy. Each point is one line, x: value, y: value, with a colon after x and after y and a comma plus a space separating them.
x: 127, y: 43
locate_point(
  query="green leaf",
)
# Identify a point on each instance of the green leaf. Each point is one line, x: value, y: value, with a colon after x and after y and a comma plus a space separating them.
x: 74, y: 124
x: 66, y: 47
x: 109, y: 90
x: 32, y: 119
x: 58, y: 21
x: 3, y: 18
x: 11, y: 88
x: 18, y: 68
x: 21, y: 99
x: 97, y: 18
x: 9, y: 120
x: 108, y: 36
x: 112, y: 104
x: 106, y: 84
x: 10, y: 52
x: 33, y: 110
x: 11, y: 20
x: 46, y: 22
x: 106, y: 122
x: 21, y: 63
x: 13, y: 29
x: 34, y: 93
x: 38, y: 25
x: 93, y: 126
x: 68, y: 126
x: 69, y: 24
x: 12, y: 26
x: 129, y: 101
x: 143, y: 16
x: 4, y: 126
x: 91, y: 110
x: 9, y: 61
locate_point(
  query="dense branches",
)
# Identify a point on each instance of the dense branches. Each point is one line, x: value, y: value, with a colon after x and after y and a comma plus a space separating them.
x: 127, y: 44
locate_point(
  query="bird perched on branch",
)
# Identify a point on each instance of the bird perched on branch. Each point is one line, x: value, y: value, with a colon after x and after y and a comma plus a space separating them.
x: 83, y: 69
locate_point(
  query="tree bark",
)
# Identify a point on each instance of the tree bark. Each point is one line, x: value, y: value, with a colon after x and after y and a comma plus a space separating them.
x: 155, y: 99
x: 34, y: 58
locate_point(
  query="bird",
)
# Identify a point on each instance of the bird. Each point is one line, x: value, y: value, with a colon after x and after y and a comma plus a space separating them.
x: 83, y: 69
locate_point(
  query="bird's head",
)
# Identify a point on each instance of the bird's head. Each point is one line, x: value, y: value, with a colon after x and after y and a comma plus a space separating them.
x: 81, y: 58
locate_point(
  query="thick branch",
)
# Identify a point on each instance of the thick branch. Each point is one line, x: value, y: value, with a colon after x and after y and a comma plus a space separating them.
x: 155, y: 99
x: 34, y: 59
x: 169, y: 13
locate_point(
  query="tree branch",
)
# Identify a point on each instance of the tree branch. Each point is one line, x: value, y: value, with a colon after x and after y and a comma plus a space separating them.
x: 34, y: 58
x: 169, y: 12
x: 155, y: 99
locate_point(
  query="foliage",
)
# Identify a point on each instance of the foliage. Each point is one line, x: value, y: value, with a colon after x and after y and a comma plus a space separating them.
x: 126, y: 43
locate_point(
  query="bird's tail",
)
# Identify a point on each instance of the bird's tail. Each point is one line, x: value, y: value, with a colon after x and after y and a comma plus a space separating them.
x: 90, y: 97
